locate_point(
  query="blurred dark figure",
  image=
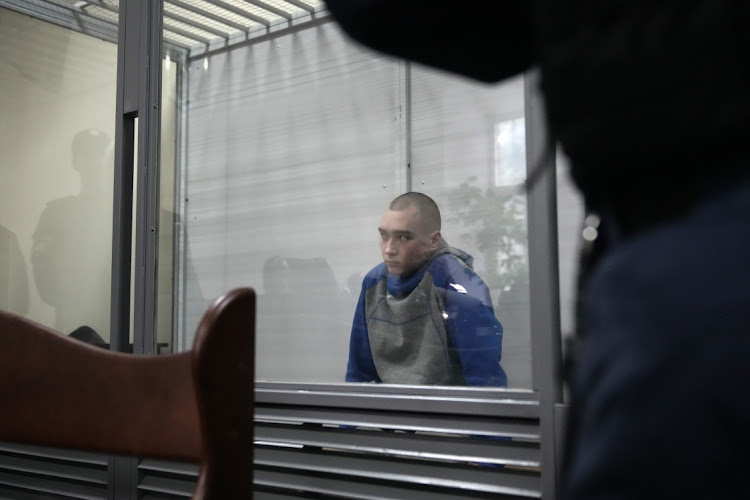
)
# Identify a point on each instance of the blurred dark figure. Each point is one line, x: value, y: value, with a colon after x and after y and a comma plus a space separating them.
x: 650, y: 99
x: 298, y: 276
x: 87, y: 334
x: 14, y: 284
x: 71, y: 253
x: 302, y: 321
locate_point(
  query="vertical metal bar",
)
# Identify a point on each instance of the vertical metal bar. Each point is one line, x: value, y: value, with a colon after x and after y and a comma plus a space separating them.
x: 546, y: 345
x: 401, y: 168
x: 137, y: 91
x: 408, y: 124
x: 180, y: 254
x: 153, y: 103
x: 121, y: 470
x: 122, y: 233
x: 147, y: 204
x: 126, y: 113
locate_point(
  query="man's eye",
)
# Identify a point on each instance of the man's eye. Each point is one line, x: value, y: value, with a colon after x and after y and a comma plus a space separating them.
x: 403, y: 238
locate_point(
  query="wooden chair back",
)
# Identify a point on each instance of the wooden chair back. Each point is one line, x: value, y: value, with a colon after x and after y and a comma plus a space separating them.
x: 196, y: 406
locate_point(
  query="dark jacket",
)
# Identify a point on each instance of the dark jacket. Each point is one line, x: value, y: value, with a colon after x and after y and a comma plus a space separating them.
x: 434, y: 327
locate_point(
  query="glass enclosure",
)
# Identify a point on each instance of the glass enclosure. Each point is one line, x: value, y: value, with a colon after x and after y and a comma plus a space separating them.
x: 57, y: 118
x: 280, y: 145
x: 288, y: 147
x: 279, y: 152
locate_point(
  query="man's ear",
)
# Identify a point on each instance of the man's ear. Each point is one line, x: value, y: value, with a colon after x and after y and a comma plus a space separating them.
x: 435, y: 240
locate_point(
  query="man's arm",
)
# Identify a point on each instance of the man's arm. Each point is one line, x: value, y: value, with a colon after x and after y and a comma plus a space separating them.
x: 488, y: 40
x: 361, y: 367
x: 476, y: 334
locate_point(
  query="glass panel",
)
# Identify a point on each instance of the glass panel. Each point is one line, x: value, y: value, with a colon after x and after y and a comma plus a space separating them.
x: 57, y: 117
x: 469, y: 155
x: 289, y: 154
x: 288, y: 148
x: 169, y: 222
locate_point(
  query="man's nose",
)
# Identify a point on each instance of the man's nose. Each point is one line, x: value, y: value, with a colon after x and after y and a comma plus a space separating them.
x: 390, y: 248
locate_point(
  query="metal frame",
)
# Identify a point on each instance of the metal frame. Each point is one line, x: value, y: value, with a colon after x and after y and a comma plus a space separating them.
x: 402, y: 172
x: 138, y: 92
x: 270, y: 8
x: 239, y: 12
x: 147, y: 208
x: 209, y: 15
x: 546, y: 342
x: 180, y: 182
x: 66, y: 17
x: 126, y: 112
x: 188, y: 33
x: 138, y: 98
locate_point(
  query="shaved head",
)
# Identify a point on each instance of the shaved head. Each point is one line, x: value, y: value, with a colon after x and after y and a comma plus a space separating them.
x: 429, y: 212
x: 409, y: 233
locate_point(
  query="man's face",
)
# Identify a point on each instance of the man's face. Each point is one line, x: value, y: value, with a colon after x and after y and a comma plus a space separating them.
x: 404, y: 241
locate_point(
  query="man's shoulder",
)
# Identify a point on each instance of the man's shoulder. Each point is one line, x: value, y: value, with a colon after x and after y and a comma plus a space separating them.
x: 375, y: 274
x: 446, y: 267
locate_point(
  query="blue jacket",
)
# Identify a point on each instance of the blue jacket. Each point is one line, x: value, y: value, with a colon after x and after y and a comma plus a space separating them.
x: 434, y: 327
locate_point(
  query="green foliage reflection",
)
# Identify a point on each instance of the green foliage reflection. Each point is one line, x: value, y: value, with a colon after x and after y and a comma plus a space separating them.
x: 494, y: 220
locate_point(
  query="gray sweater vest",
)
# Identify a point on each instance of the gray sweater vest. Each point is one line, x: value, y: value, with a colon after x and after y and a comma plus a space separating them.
x: 408, y: 337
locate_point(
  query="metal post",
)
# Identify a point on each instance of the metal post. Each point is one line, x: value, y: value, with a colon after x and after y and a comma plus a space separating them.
x: 138, y: 91
x: 147, y: 204
x: 546, y: 344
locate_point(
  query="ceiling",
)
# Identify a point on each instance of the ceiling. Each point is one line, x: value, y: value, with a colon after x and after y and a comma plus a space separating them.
x: 191, y: 27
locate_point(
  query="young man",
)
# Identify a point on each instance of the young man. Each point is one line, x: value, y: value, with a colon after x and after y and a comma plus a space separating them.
x: 424, y: 317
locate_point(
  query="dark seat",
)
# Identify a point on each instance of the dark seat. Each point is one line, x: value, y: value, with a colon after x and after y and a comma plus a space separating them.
x: 195, y: 406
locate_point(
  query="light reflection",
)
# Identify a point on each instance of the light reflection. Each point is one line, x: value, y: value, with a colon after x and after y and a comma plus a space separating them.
x: 591, y: 229
x: 590, y: 233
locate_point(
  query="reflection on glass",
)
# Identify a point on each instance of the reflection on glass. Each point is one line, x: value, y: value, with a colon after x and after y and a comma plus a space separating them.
x: 57, y: 109
x: 510, y: 152
x: 469, y: 153
x: 289, y: 147
x: 70, y: 269
x: 288, y: 160
x: 423, y: 316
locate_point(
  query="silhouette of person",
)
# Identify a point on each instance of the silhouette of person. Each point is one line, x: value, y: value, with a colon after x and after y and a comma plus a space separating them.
x: 71, y: 252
